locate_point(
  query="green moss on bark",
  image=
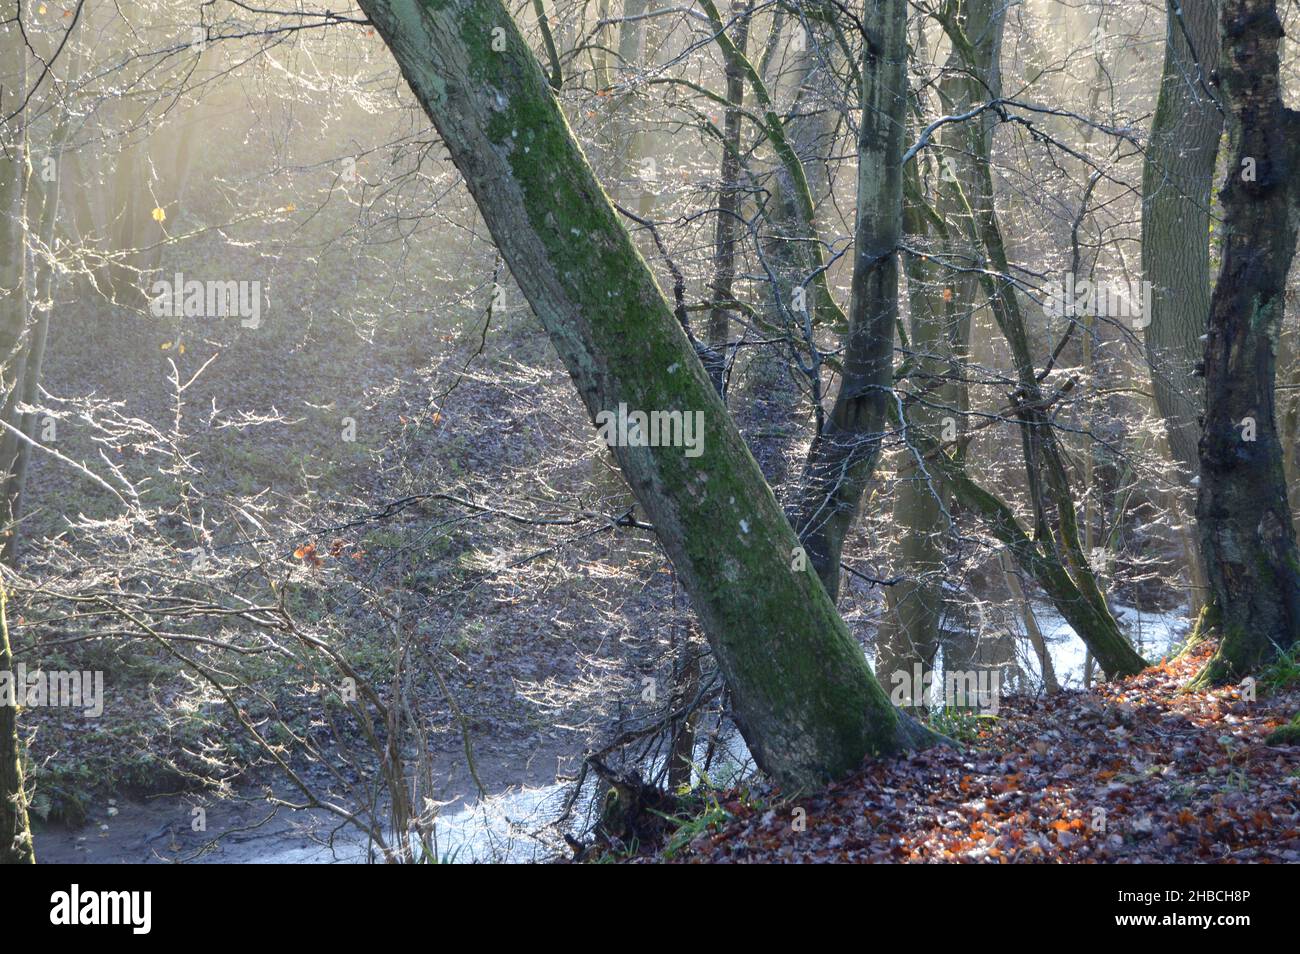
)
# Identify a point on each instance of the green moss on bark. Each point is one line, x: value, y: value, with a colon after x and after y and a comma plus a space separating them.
x: 804, y: 697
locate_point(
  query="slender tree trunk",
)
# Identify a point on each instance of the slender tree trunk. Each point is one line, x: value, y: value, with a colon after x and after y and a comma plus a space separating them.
x: 1049, y: 486
x: 15, y: 176
x: 15, y: 831
x: 28, y: 274
x: 1245, y: 521
x: 844, y: 452
x: 910, y: 628
x: 43, y: 274
x: 804, y: 697
x: 600, y: 51
x: 724, y: 245
x: 1036, y: 640
x: 941, y: 303
x: 821, y: 97
x: 792, y: 251
x: 686, y: 683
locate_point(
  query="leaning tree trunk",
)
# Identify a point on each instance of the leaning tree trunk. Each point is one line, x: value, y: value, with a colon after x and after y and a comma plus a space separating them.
x: 844, y: 452
x: 1056, y: 521
x: 1177, y: 177
x: 1245, y: 521
x: 804, y: 697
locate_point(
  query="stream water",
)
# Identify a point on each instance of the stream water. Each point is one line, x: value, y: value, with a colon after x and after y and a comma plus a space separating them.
x: 502, y: 827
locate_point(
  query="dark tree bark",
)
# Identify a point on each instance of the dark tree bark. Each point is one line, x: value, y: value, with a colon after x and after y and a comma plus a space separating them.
x: 724, y: 243
x: 1245, y: 520
x: 804, y: 697
x: 844, y: 452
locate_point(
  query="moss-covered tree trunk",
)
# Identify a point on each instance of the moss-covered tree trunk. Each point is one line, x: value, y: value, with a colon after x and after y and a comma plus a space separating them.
x: 1245, y: 520
x: 804, y: 697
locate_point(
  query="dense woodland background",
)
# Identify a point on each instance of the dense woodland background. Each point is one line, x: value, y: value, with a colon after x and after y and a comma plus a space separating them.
x: 357, y: 570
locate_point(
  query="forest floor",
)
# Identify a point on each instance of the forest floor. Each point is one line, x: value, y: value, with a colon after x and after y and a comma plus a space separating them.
x: 1137, y: 770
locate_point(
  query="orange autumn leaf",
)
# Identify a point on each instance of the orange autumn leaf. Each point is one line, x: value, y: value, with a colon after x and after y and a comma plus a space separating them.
x: 1010, y: 783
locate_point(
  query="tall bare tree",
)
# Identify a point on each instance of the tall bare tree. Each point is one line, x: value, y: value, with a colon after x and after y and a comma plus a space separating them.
x: 1245, y: 520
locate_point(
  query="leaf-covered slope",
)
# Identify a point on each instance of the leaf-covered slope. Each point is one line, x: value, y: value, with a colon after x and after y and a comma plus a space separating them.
x: 1136, y: 770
